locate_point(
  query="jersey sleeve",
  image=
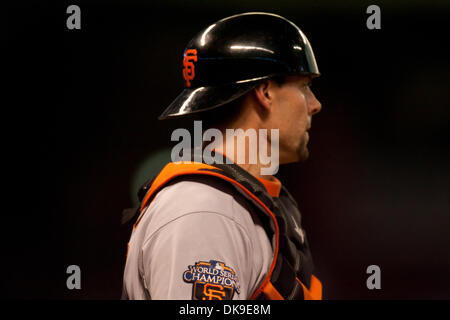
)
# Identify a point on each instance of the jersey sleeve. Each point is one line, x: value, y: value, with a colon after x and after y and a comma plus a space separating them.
x: 200, y: 256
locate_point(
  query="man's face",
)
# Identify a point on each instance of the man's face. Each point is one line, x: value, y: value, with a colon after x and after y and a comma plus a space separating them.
x: 294, y: 106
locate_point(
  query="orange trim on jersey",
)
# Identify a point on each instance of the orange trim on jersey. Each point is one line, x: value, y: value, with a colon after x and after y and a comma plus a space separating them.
x: 271, y: 293
x: 273, y: 186
x: 315, y: 289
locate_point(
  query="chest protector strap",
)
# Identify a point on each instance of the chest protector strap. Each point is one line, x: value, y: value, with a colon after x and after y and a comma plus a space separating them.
x: 290, y: 275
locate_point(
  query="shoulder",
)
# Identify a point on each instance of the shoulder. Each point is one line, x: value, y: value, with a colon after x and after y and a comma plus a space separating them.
x: 186, y: 198
x: 194, y: 195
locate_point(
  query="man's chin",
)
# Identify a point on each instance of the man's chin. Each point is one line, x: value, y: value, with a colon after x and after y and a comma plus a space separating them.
x: 303, y: 155
x: 302, y: 151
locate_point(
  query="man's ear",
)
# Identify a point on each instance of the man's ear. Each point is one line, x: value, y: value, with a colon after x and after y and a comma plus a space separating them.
x: 264, y: 94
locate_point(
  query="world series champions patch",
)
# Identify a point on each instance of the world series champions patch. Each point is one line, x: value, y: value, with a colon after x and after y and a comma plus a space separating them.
x: 211, y: 280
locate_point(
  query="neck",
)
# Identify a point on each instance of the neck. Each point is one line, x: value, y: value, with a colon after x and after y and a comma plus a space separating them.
x: 252, y: 150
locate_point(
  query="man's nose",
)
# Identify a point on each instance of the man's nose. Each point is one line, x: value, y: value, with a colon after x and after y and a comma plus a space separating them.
x: 315, y: 105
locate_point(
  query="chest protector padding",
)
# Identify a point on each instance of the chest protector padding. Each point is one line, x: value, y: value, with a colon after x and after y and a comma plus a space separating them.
x: 291, y: 272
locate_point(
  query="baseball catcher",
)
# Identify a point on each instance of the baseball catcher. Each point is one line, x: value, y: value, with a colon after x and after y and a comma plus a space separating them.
x: 221, y: 227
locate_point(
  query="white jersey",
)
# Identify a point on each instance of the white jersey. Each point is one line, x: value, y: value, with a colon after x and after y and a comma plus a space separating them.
x: 196, y: 241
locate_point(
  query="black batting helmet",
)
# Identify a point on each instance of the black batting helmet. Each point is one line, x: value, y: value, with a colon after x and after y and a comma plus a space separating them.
x: 232, y: 56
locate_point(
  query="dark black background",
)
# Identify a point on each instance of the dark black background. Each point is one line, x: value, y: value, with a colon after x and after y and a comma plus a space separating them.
x: 374, y: 191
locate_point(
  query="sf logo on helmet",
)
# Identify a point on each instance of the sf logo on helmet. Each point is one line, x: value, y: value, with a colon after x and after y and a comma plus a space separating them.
x: 189, y: 70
